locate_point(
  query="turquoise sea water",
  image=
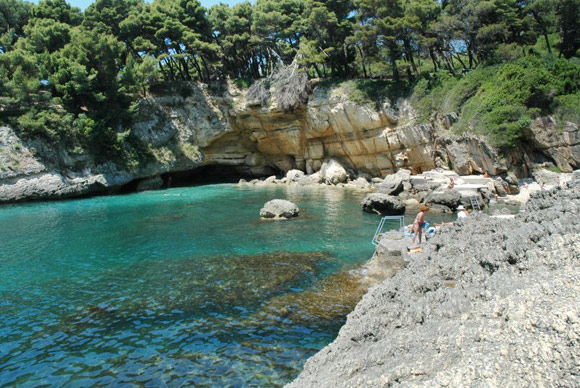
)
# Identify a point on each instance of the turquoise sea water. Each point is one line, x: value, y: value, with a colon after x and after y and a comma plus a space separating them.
x: 183, y: 287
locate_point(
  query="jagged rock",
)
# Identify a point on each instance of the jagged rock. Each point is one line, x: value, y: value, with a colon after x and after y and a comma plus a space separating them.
x: 242, y: 182
x: 513, y: 187
x: 446, y: 199
x: 404, y: 174
x: 504, y: 187
x: 377, y: 180
x: 383, y: 204
x: 501, y: 188
x: 333, y: 173
x: 294, y: 176
x: 449, y: 119
x: 154, y: 183
x: 270, y: 179
x: 562, y: 145
x: 50, y: 185
x: 391, y: 185
x: 546, y: 177
x: 471, y: 154
x: 427, y: 186
x: 361, y: 183
x: 279, y: 208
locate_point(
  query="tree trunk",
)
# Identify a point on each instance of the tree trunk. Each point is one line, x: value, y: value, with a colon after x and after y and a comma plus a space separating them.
x: 433, y: 59
x: 460, y: 61
x: 409, y: 53
x: 545, y: 33
x: 393, y: 59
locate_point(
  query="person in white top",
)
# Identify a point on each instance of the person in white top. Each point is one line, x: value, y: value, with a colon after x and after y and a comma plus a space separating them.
x: 461, y: 212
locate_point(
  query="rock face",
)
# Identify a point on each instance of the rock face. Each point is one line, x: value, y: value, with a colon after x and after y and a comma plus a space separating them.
x: 187, y: 131
x: 279, y: 208
x: 488, y: 303
x: 383, y: 204
x: 467, y: 155
x: 561, y: 145
x: 362, y: 138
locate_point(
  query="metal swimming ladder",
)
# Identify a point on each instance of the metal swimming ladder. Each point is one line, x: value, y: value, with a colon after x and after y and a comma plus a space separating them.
x: 379, y: 231
x: 474, y: 200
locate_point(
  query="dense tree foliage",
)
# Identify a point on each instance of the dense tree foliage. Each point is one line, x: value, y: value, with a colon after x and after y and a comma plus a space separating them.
x: 73, y: 76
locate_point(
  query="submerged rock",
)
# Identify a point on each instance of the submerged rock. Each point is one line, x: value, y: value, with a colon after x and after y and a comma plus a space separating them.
x: 279, y: 208
x: 383, y: 204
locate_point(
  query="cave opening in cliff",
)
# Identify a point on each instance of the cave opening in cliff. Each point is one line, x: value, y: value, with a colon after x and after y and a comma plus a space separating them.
x: 207, y: 175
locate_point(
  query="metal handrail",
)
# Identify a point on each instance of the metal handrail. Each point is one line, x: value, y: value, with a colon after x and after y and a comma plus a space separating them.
x: 379, y: 231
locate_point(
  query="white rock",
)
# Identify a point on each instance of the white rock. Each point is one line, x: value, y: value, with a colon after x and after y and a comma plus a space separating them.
x: 279, y: 209
x: 333, y: 173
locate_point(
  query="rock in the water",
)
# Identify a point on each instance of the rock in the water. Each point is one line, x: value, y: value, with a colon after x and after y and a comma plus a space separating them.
x: 154, y: 183
x: 279, y: 208
x: 294, y: 176
x: 361, y: 183
x: 270, y: 179
x: 307, y: 180
x: 383, y: 204
x: 316, y: 177
x: 391, y: 185
x: 446, y: 198
x: 333, y: 173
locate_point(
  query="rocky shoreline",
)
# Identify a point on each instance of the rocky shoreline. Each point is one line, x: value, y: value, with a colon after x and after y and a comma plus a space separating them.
x: 443, y: 190
x: 489, y: 302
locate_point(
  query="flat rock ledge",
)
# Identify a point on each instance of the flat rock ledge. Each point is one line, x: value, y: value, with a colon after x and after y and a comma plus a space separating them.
x: 279, y: 209
x: 488, y: 303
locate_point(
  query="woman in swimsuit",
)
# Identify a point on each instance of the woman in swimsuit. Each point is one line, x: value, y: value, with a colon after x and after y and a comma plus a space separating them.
x: 418, y: 224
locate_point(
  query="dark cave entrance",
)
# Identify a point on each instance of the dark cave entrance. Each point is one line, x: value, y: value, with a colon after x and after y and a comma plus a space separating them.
x: 209, y: 174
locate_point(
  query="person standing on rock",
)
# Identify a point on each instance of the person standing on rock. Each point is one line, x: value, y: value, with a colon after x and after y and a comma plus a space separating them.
x: 419, y: 223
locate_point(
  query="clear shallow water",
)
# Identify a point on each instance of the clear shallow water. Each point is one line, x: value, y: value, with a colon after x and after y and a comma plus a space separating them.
x: 185, y: 287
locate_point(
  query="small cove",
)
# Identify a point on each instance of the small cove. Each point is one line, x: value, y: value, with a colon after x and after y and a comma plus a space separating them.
x: 183, y: 287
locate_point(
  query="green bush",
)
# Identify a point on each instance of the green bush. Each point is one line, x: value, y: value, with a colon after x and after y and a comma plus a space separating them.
x: 500, y: 101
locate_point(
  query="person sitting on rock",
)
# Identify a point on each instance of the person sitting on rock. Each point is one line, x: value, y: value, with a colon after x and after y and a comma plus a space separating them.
x: 419, y: 223
x: 451, y: 185
x: 486, y: 175
x: 462, y: 213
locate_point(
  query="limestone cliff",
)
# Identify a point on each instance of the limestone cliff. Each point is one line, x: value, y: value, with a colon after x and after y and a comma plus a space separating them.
x: 183, y: 131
